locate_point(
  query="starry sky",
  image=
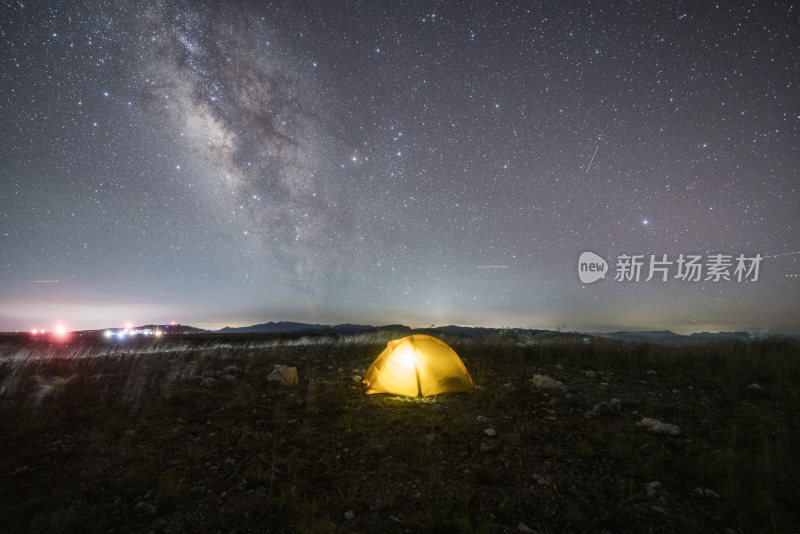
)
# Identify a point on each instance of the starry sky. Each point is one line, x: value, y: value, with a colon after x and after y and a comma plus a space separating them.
x: 420, y: 163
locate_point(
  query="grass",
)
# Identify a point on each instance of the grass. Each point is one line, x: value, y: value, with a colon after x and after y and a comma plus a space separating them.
x: 98, y: 438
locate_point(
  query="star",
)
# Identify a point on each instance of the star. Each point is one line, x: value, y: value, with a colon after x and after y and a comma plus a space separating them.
x: 339, y: 189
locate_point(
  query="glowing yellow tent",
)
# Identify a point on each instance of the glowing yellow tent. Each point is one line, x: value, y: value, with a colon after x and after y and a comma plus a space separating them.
x: 417, y: 366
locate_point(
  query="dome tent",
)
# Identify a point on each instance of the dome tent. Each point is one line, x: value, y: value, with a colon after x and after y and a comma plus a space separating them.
x: 417, y: 366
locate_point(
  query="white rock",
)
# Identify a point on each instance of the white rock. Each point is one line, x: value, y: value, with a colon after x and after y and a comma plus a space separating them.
x: 546, y: 383
x: 483, y: 419
x: 657, y: 427
x: 754, y: 386
x: 349, y: 515
x: 490, y: 432
x: 522, y: 527
x: 283, y: 375
x: 590, y: 374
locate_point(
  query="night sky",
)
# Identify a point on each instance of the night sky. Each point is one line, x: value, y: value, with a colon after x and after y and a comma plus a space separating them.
x: 407, y: 162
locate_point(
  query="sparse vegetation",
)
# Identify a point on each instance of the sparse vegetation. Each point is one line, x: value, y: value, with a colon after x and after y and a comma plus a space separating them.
x: 98, y: 437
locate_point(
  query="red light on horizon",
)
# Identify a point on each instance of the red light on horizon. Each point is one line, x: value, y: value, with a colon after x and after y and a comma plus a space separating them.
x: 60, y: 331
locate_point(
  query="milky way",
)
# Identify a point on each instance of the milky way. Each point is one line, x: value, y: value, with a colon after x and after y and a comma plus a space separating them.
x: 241, y: 111
x: 234, y: 163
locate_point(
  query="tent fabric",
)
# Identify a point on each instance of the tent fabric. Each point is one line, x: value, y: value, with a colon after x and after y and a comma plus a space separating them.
x: 417, y: 366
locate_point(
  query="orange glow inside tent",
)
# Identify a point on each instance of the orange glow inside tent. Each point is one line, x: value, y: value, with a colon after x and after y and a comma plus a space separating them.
x: 418, y: 366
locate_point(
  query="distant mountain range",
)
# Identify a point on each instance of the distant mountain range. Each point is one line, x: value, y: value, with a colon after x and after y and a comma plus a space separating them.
x: 288, y: 327
x: 658, y: 337
x: 666, y: 337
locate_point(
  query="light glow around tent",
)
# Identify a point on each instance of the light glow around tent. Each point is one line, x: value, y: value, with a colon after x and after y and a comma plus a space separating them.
x: 417, y: 366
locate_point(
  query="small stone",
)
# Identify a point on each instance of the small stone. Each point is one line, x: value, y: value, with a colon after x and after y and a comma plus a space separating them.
x: 228, y: 378
x: 490, y: 432
x: 542, y: 481
x: 357, y: 379
x: 755, y: 387
x: 350, y: 515
x: 602, y: 408
x: 483, y: 419
x: 522, y: 527
x: 650, y: 373
x: 590, y: 374
x: 232, y: 370
x: 657, y: 427
x: 19, y: 470
x: 616, y: 404
x: 652, y: 487
x: 546, y: 383
x: 146, y: 507
x: 209, y: 382
x: 705, y: 492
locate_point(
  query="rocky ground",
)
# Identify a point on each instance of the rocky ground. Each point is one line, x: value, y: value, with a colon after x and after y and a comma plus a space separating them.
x: 557, y: 437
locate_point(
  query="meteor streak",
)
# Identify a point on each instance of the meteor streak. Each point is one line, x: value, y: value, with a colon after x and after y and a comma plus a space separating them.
x: 592, y: 160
